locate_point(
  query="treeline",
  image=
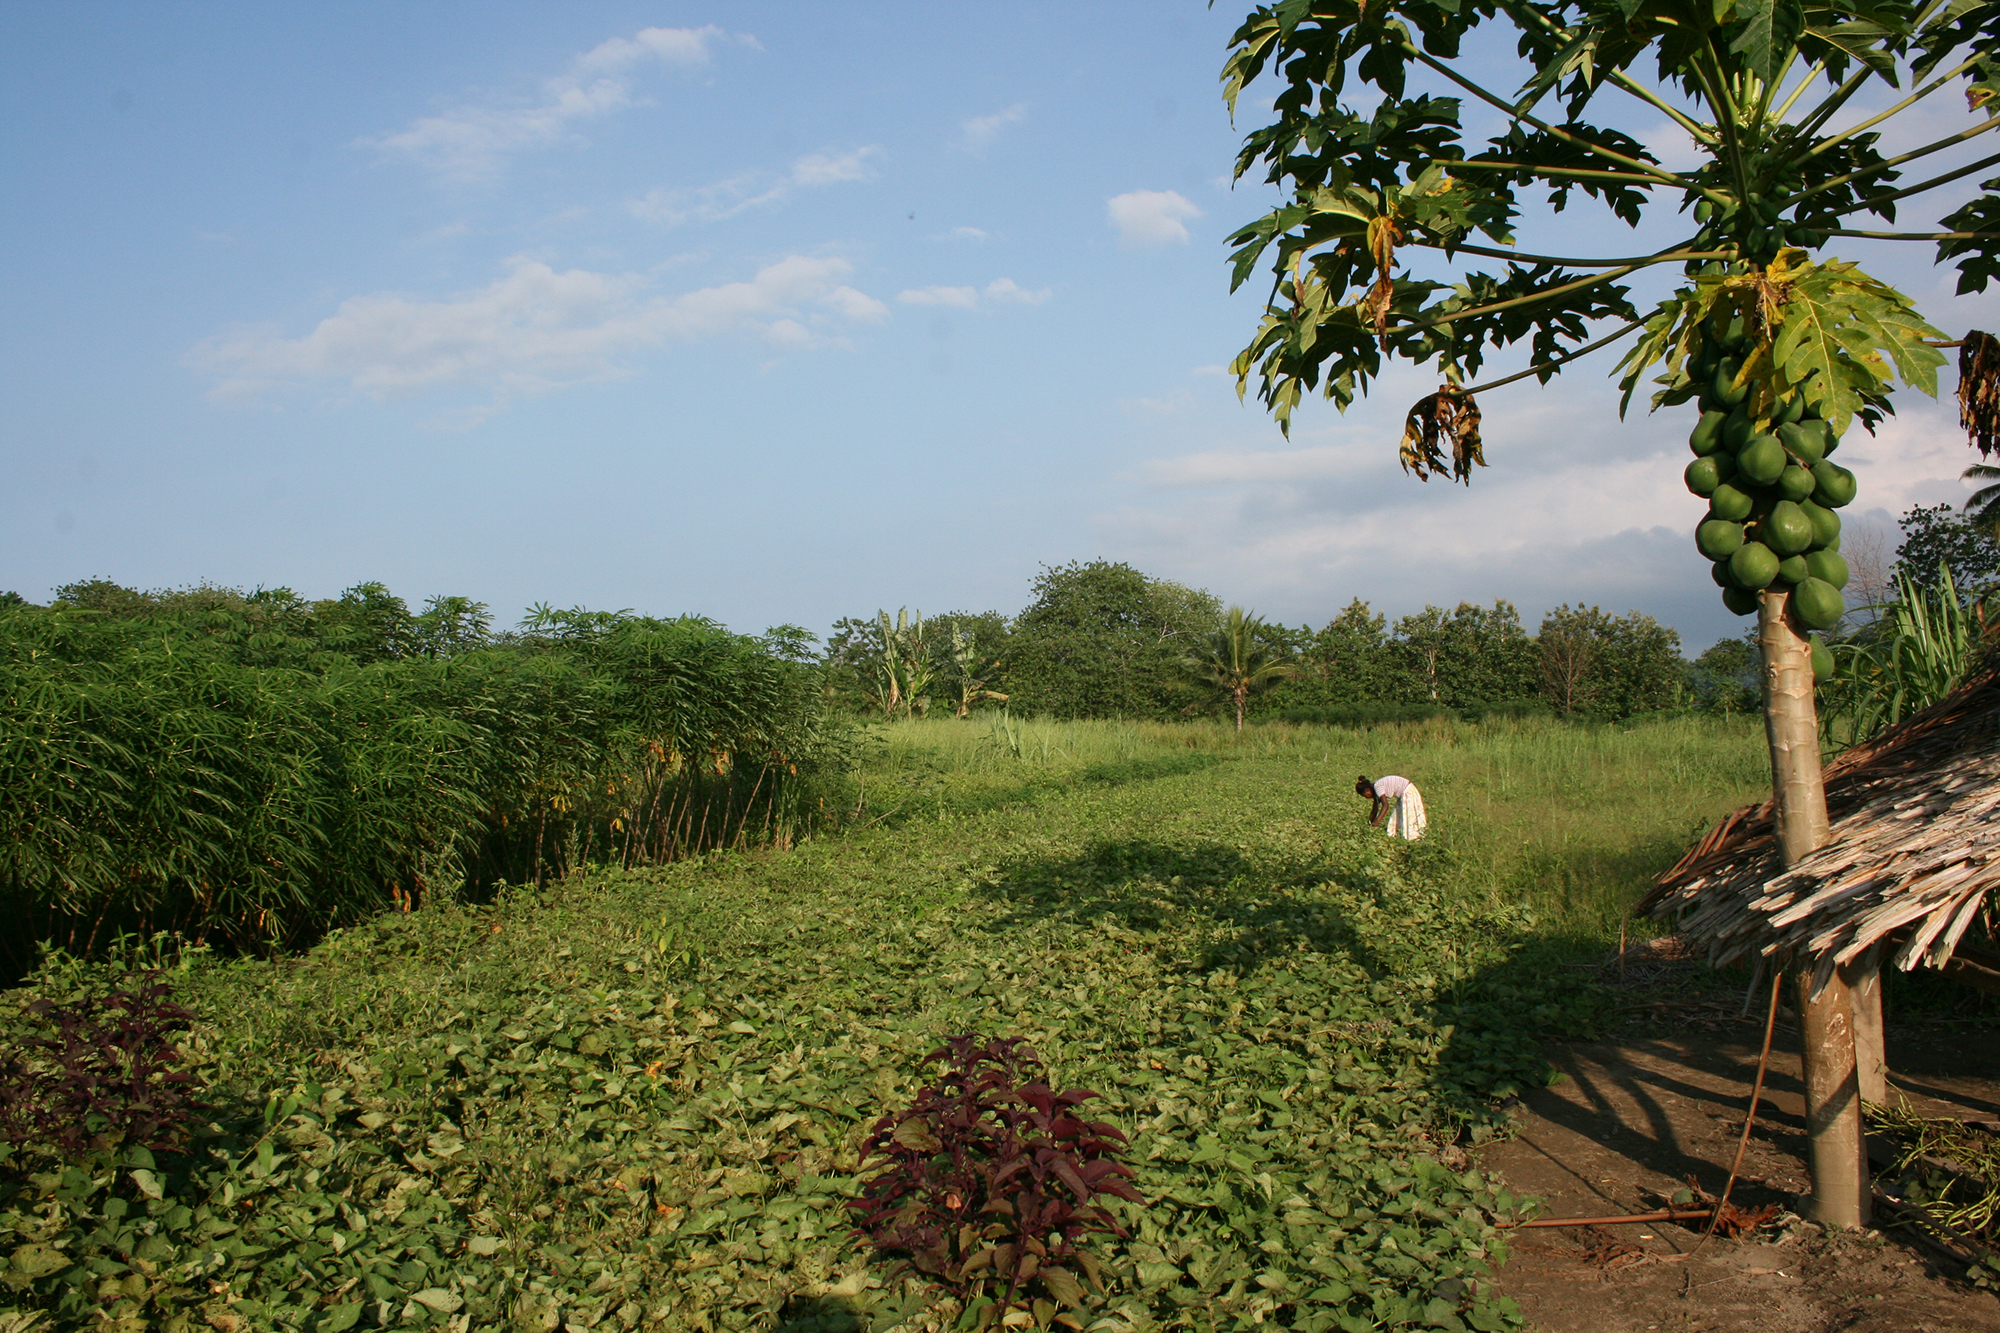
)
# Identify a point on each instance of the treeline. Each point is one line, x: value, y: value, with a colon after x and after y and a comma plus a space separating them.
x: 254, y: 768
x: 1105, y: 640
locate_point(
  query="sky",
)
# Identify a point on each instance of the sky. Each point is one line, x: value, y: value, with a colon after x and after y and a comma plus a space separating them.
x: 775, y: 314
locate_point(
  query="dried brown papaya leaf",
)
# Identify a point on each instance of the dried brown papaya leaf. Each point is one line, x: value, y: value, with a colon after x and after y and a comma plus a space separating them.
x: 1979, y: 391
x: 1450, y: 419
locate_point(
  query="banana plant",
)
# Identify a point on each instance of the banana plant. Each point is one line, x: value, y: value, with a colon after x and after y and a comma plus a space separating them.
x: 1782, y: 343
x: 905, y: 667
x: 970, y: 672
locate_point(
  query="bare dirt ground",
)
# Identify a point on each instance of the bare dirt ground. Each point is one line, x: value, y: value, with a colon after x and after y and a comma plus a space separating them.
x: 1633, y: 1119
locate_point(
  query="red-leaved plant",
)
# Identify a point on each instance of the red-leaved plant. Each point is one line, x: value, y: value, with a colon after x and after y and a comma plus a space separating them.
x: 989, y: 1184
x: 97, y: 1073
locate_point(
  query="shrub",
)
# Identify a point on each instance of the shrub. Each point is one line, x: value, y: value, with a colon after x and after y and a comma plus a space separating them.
x: 1361, y: 715
x: 990, y: 1181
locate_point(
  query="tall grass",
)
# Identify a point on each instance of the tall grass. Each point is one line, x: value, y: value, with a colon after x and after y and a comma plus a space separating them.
x: 235, y: 779
x: 1570, y: 819
x: 1911, y: 657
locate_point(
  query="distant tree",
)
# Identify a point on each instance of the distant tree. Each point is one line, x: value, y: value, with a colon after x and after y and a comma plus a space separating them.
x: 1238, y: 659
x: 1473, y: 655
x: 1642, y: 667
x: 1728, y: 677
x: 13, y: 599
x: 101, y: 594
x: 1591, y: 662
x: 1351, y: 651
x: 1104, y: 640
x: 1934, y: 535
x: 853, y: 646
x: 1568, y: 646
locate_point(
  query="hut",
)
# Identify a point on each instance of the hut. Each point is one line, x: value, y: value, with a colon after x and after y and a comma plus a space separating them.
x: 1913, y: 852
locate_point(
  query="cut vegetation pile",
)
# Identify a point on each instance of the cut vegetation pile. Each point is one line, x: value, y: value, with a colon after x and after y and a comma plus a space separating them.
x: 635, y: 1099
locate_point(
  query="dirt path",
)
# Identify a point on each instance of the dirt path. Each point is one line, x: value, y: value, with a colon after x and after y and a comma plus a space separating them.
x: 1628, y: 1125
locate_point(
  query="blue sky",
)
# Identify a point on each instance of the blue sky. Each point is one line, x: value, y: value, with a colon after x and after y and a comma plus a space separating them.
x: 775, y: 313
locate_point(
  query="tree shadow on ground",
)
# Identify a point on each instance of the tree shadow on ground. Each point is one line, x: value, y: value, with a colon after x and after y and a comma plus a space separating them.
x: 1258, y: 907
x: 1476, y: 973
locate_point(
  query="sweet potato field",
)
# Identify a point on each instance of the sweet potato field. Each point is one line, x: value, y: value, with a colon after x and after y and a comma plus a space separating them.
x: 635, y: 1099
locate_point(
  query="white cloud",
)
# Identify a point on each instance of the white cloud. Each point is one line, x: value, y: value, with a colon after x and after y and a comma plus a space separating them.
x: 828, y: 168
x: 754, y: 189
x: 963, y: 297
x: 469, y: 142
x: 968, y: 233
x: 1150, y: 217
x: 1008, y: 292
x: 533, y: 330
x: 980, y: 131
x: 1001, y: 291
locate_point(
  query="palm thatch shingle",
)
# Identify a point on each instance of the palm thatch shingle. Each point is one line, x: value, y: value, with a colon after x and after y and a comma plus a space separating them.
x: 1915, y: 849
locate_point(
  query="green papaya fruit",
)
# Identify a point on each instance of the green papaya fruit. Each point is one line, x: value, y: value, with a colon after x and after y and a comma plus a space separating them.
x: 1718, y: 538
x: 1826, y: 524
x: 1703, y: 476
x: 1801, y: 442
x: 1703, y: 210
x: 1719, y: 571
x: 1790, y: 411
x: 1737, y: 428
x: 1786, y: 529
x: 1794, y: 483
x: 1793, y: 569
x: 1828, y: 567
x: 1819, y: 603
x: 1725, y: 385
x: 1739, y: 602
x: 1762, y: 460
x: 1835, y: 484
x: 1707, y: 435
x: 1728, y: 503
x: 1822, y: 661
x: 1735, y: 332
x: 1752, y: 565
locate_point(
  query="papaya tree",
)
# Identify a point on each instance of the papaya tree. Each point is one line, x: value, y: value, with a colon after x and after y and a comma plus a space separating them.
x: 1395, y: 239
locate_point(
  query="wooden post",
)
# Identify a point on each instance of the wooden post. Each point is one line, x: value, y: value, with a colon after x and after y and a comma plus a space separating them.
x: 1864, y: 984
x: 1827, y: 1027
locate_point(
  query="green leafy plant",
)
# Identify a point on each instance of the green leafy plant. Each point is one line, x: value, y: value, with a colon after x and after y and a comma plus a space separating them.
x: 1914, y: 655
x: 989, y: 1183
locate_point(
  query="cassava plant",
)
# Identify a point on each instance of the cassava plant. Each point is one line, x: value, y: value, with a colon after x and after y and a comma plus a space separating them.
x: 1783, y: 344
x: 988, y: 1182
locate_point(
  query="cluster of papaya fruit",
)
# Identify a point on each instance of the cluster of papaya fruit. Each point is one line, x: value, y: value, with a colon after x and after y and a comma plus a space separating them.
x: 1771, y: 488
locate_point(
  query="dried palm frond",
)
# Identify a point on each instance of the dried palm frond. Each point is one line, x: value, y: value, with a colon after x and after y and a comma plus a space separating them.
x: 1979, y: 391
x: 1449, y: 416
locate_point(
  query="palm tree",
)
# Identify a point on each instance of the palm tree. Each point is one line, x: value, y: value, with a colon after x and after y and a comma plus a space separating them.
x: 1239, y: 660
x: 1982, y: 508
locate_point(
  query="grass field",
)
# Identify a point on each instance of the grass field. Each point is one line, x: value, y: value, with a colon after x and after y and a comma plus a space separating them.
x: 634, y: 1100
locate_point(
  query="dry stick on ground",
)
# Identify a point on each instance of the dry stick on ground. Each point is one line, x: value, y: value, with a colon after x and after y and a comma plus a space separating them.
x: 1662, y: 1215
x: 1749, y: 1119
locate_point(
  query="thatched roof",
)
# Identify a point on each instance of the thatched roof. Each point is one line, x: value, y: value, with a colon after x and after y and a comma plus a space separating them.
x: 1914, y: 851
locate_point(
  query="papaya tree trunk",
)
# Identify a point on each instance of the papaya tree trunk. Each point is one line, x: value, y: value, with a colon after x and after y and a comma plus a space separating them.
x: 1827, y: 1026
